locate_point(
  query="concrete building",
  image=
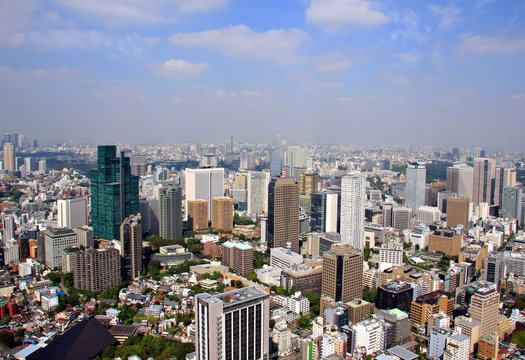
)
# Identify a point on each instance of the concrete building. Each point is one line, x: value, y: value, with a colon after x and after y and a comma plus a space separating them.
x: 400, y: 325
x: 442, y: 198
x: 222, y: 214
x: 401, y: 217
x: 489, y: 347
x: 432, y: 303
x: 95, y: 270
x: 197, y: 212
x: 416, y: 177
x: 484, y: 181
x: 238, y: 257
x: 85, y: 236
x: 504, y: 177
x: 446, y: 242
x: 512, y: 203
x: 57, y: 240
x: 390, y: 255
x: 170, y: 206
x: 469, y: 327
x: 484, y: 308
x: 343, y: 273
x: 438, y: 342
x: 428, y: 214
x: 232, y: 325
x: 131, y: 247
x: 9, y: 157
x: 458, y: 212
x: 283, y: 258
x: 308, y: 183
x: 369, y: 334
x: 8, y: 222
x: 457, y: 347
x: 460, y: 179
x: 72, y: 213
x: 359, y: 310
x: 353, y: 200
x: 257, y: 192
x: 324, y: 212
x: 394, y: 295
x: 303, y: 278
x: 283, y: 213
x: 203, y: 184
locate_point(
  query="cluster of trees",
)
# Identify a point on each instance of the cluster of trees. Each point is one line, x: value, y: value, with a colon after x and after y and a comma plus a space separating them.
x: 148, y: 347
x: 238, y: 220
x: 369, y: 295
x: 315, y: 303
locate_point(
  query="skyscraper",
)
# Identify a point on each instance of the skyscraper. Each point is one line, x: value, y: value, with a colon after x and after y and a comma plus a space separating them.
x: 257, y: 191
x: 416, y: 177
x: 504, y: 177
x: 484, y: 308
x: 308, y: 183
x: 276, y: 165
x: 222, y: 213
x: 512, y: 200
x: 72, y: 213
x: 323, y: 217
x: 203, y: 184
x: 131, y: 247
x: 138, y: 165
x: 460, y: 180
x: 458, y: 212
x: 170, y: 201
x: 114, y: 192
x: 342, y: 273
x: 353, y: 199
x: 483, y: 183
x: 197, y: 212
x: 232, y: 325
x: 95, y: 270
x: 9, y: 157
x: 283, y: 213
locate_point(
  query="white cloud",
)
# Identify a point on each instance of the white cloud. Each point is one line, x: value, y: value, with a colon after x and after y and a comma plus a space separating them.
x: 324, y: 87
x: 277, y: 46
x: 332, y: 63
x: 450, y: 16
x: 201, y: 5
x: 345, y: 99
x: 179, y: 69
x: 392, y: 77
x: 518, y: 98
x: 409, y: 58
x: 246, y: 94
x: 334, y: 14
x: 14, y: 17
x: 486, y: 45
x: 10, y: 74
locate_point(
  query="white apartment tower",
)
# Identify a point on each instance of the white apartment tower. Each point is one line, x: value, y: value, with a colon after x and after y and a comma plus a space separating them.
x: 353, y: 199
x: 257, y: 192
x: 416, y: 177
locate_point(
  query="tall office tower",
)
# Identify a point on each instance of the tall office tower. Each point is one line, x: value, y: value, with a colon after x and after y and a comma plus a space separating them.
x: 483, y: 183
x: 114, y: 192
x: 387, y: 215
x: 353, y: 199
x: 85, y: 236
x: 222, y: 213
x: 494, y: 268
x: 504, y: 177
x: 460, y: 179
x: 237, y: 256
x: 170, y: 204
x: 283, y: 213
x: 233, y: 325
x: 476, y: 153
x: 138, y: 164
x: 9, y: 157
x: 72, y: 213
x: 512, y: 200
x: 42, y: 166
x: 96, y: 269
x: 208, y: 157
x: 197, y: 212
x: 442, y: 197
x: 458, y: 212
x: 416, y: 177
x: 484, y: 308
x: 308, y: 183
x: 343, y: 273
x: 131, y: 247
x: 276, y: 165
x: 323, y: 216
x: 257, y: 192
x: 7, y: 138
x: 203, y: 184
x: 57, y: 240
x: 150, y: 213
x: 296, y: 157
x: 8, y: 221
x: 401, y: 217
x: 394, y: 295
x: 231, y: 143
x: 247, y: 160
x: 29, y: 164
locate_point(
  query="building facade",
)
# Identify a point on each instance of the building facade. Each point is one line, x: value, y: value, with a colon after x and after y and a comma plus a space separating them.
x: 353, y: 199
x: 170, y: 206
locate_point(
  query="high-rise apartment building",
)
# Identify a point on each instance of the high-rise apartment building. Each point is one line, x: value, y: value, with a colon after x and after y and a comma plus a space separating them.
x: 504, y: 177
x: 42, y: 166
x: 257, y: 192
x: 415, y: 181
x: 458, y: 347
x: 131, y: 247
x: 484, y: 308
x: 232, y: 325
x: 512, y: 202
x: 460, y: 179
x: 85, y: 236
x: 170, y: 206
x: 238, y: 256
x: 72, y: 213
x: 96, y: 269
x: 283, y: 213
x: 114, y: 192
x: 203, y: 184
x: 9, y: 157
x: 343, y: 273
x: 197, y: 212
x: 353, y: 200
x: 57, y: 240
x: 222, y: 213
x: 8, y: 222
x: 458, y: 211
x: 323, y: 216
x: 483, y: 181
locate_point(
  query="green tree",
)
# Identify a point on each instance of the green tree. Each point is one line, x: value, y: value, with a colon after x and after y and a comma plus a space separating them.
x: 252, y: 276
x: 304, y: 322
x: 6, y: 319
x: 369, y: 295
x: 20, y: 333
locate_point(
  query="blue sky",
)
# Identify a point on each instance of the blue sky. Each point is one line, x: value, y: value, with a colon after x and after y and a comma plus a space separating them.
x: 341, y: 71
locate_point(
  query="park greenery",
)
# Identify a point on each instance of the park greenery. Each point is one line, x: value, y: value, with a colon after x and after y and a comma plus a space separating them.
x: 155, y: 347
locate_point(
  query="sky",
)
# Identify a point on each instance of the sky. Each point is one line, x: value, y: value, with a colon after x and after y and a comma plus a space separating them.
x: 319, y: 71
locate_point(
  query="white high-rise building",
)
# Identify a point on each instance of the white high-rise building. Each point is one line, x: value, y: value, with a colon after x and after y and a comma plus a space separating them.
x: 458, y: 347
x: 428, y: 214
x: 29, y: 164
x: 415, y: 182
x: 353, y: 199
x: 42, y: 166
x: 257, y: 189
x: 72, y: 213
x: 203, y: 184
x: 460, y: 179
x: 390, y: 255
x: 438, y: 342
x: 9, y: 227
x: 57, y: 240
x: 370, y: 335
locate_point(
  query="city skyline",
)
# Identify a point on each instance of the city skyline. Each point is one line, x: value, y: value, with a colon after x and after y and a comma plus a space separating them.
x: 425, y: 73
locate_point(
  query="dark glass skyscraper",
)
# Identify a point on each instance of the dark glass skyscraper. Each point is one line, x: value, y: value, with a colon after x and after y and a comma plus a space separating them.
x: 114, y: 192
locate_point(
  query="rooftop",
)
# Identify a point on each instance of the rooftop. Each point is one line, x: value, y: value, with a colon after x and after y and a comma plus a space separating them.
x: 238, y: 245
x: 402, y: 353
x: 396, y: 286
x: 235, y: 296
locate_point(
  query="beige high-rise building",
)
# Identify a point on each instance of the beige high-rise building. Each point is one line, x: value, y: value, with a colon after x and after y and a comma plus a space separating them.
x: 283, y: 213
x: 170, y: 206
x: 308, y: 183
x: 197, y: 214
x: 484, y: 308
x: 460, y: 180
x: 504, y: 177
x: 9, y: 157
x: 342, y: 273
x: 458, y: 212
x: 222, y: 214
x: 483, y: 180
x: 131, y: 247
x: 237, y: 256
x: 469, y: 327
x: 96, y: 269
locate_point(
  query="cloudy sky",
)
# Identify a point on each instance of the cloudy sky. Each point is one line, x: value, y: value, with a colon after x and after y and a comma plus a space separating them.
x: 342, y: 71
